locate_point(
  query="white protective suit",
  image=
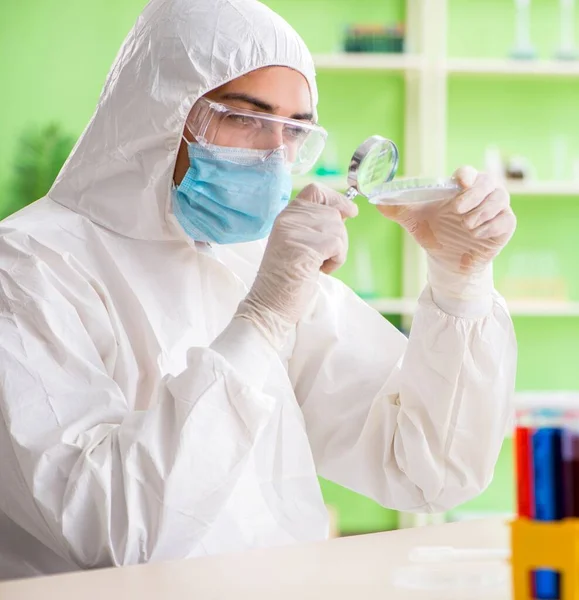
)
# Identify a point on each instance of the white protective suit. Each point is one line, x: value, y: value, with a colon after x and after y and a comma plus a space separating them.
x: 126, y: 434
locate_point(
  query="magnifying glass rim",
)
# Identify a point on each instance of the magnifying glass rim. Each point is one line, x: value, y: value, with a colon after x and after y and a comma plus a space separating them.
x: 361, y: 153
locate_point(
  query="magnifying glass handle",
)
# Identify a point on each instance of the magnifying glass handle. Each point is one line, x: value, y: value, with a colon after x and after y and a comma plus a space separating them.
x: 351, y: 193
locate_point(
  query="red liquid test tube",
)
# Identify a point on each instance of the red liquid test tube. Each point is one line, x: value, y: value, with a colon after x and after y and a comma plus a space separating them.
x: 524, y: 467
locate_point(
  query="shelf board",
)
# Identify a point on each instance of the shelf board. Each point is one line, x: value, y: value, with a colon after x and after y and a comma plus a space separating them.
x: 393, y: 306
x: 537, y: 308
x: 543, y: 188
x: 556, y: 399
x: 517, y: 308
x: 541, y: 399
x: 368, y: 61
x: 538, y: 68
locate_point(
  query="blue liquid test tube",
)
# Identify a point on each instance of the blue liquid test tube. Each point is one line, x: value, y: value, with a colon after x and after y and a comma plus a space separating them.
x: 547, y: 471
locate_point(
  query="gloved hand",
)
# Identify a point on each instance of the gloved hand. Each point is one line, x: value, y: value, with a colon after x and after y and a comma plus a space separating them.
x: 309, y: 236
x: 464, y: 234
x: 461, y: 236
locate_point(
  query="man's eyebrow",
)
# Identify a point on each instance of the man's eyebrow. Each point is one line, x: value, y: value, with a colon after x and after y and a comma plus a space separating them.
x: 265, y: 106
x: 250, y: 100
x: 303, y: 116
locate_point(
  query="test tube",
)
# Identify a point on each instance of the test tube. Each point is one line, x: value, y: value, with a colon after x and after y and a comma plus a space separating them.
x: 567, y: 48
x: 523, y: 47
x: 570, y: 457
x: 548, y: 488
x: 524, y: 470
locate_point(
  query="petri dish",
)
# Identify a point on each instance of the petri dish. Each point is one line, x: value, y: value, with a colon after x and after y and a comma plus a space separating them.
x: 415, y: 190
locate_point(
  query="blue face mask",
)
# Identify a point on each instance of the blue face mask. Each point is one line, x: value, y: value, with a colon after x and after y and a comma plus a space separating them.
x: 229, y: 202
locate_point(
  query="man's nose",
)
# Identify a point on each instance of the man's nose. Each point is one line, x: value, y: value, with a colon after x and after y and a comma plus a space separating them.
x: 275, y: 137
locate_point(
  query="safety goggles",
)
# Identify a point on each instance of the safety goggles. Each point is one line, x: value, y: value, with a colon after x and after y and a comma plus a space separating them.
x: 302, y: 142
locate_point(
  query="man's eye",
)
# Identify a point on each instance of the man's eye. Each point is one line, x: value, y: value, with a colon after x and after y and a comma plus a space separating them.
x: 244, y: 121
x: 294, y: 133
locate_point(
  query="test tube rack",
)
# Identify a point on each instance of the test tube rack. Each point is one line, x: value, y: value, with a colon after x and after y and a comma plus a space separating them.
x: 545, y: 545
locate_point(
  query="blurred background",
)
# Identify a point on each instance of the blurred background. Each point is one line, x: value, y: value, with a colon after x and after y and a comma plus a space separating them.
x: 492, y: 83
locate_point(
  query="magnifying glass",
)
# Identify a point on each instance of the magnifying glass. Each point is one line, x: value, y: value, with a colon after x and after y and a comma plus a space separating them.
x: 373, y: 168
x: 374, y: 163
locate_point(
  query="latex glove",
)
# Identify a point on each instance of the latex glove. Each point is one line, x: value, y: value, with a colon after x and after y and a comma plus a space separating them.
x: 309, y: 236
x: 464, y: 234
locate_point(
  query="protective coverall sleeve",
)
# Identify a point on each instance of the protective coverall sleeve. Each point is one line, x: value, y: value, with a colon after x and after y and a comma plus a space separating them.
x: 416, y: 425
x: 93, y: 479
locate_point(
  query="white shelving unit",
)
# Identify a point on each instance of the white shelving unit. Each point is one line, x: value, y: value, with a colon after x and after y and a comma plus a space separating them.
x: 427, y: 72
x: 543, y: 188
x: 394, y: 306
x: 561, y: 400
x: 369, y: 61
x: 533, y: 68
x: 530, y: 308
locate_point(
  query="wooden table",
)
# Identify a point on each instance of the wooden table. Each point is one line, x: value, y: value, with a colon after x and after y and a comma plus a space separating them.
x: 355, y: 568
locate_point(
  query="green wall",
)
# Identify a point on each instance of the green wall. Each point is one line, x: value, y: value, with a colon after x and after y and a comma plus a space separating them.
x: 547, y: 346
x: 520, y: 115
x: 57, y: 53
x: 383, y: 99
x: 55, y: 58
x: 485, y: 28
x: 321, y: 22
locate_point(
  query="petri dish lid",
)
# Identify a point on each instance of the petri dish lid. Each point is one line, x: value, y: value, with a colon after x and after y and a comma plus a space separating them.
x: 415, y: 190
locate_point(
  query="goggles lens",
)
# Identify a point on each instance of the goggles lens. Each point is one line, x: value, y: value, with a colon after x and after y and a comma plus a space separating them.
x: 221, y: 125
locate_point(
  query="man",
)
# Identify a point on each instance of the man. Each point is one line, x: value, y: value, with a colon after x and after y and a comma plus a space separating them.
x: 168, y: 392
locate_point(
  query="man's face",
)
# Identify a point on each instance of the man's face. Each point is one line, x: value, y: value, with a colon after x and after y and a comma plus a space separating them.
x: 278, y: 91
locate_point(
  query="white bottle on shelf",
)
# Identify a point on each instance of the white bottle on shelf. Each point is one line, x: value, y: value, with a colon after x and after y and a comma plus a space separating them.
x: 523, y: 47
x: 567, y: 48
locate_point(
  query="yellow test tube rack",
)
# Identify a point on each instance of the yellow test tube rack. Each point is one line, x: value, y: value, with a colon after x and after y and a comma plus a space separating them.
x: 545, y: 545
